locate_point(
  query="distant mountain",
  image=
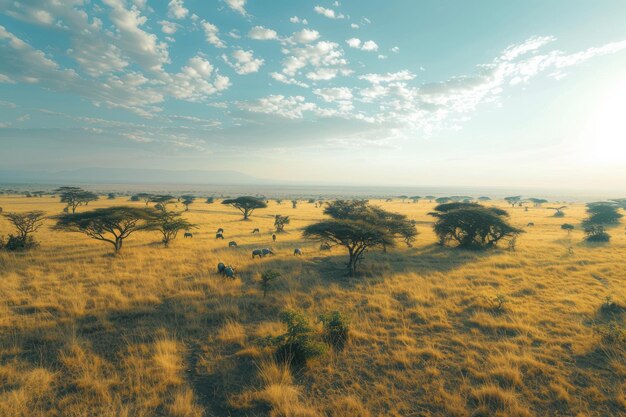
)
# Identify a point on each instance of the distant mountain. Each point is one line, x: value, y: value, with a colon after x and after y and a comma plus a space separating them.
x: 130, y: 176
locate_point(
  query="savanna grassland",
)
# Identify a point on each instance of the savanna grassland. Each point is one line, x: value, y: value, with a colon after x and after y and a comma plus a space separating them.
x: 434, y: 331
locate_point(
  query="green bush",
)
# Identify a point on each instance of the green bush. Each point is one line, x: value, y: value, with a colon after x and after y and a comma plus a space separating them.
x: 298, y: 344
x: 336, y: 329
x: 16, y: 243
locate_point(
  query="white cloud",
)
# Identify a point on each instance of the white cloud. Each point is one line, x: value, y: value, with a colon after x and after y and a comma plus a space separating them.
x: 177, y: 10
x: 8, y: 104
x: 260, y: 33
x: 196, y: 81
x: 388, y: 77
x: 286, y: 80
x: 354, y: 43
x: 211, y: 33
x: 370, y: 46
x: 289, y: 107
x: 168, y: 27
x: 306, y: 36
x: 354, y: 26
x: 244, y: 62
x: 329, y: 13
x: 143, y: 47
x: 395, y: 49
x: 296, y: 19
x: 238, y: 6
x: 334, y: 94
x: 323, y: 60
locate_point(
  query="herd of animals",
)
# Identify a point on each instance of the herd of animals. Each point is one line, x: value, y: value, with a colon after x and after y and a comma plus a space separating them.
x: 228, y: 271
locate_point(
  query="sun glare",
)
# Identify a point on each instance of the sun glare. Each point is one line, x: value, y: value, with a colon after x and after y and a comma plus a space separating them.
x: 605, y: 136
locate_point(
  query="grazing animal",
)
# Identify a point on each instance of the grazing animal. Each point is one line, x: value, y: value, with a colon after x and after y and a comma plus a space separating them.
x: 220, y: 230
x: 187, y: 234
x: 232, y: 244
x: 255, y: 231
x: 219, y: 235
x: 229, y: 272
x: 530, y: 224
x: 220, y: 268
x: 297, y: 251
x: 267, y: 251
x: 257, y: 252
x: 274, y: 237
x: 324, y: 246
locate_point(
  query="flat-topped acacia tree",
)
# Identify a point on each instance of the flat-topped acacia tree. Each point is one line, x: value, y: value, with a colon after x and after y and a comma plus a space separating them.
x: 75, y: 196
x: 246, y: 204
x: 471, y: 225
x: 358, y: 227
x: 110, y: 224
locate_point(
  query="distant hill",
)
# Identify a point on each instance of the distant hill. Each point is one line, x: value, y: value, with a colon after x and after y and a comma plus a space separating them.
x: 130, y: 176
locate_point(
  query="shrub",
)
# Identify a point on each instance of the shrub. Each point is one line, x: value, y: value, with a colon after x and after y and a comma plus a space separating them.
x: 267, y: 278
x: 16, y: 243
x: 595, y: 232
x: 298, y: 344
x: 336, y: 329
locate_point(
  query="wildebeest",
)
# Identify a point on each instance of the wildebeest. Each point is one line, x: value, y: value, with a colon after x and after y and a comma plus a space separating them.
x: 232, y: 244
x: 530, y: 224
x: 297, y: 251
x: 229, y: 272
x: 261, y: 253
x: 220, y: 230
x: 188, y: 234
x: 255, y: 231
x: 274, y: 237
x: 226, y: 270
x: 219, y: 235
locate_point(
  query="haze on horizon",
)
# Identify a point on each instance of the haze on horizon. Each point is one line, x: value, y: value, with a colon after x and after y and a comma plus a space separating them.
x: 486, y: 93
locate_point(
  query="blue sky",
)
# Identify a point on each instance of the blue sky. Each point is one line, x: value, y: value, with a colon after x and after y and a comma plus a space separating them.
x: 366, y: 92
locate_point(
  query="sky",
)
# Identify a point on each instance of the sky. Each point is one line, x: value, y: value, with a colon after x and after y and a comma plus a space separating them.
x: 400, y: 92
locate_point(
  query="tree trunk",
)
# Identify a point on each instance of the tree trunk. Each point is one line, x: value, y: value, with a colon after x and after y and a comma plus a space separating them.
x: 118, y: 244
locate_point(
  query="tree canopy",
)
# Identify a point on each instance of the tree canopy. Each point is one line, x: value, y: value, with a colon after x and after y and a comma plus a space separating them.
x: 187, y: 200
x: 111, y: 224
x: 169, y: 223
x: 470, y: 225
x: 25, y: 224
x: 246, y: 204
x: 513, y: 200
x: 280, y: 222
x: 358, y: 226
x: 75, y: 196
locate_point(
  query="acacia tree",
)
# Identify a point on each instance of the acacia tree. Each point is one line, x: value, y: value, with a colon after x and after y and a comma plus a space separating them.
x: 558, y: 211
x: 246, y: 204
x: 471, y: 225
x: 187, y: 200
x: 25, y: 224
x: 169, y: 223
x: 567, y: 227
x: 430, y: 198
x: 161, y: 200
x: 416, y: 198
x: 513, y: 200
x: 537, y: 202
x: 111, y: 224
x: 145, y: 197
x: 600, y: 215
x: 484, y: 198
x: 359, y: 227
x: 280, y: 222
x: 442, y: 200
x: 75, y: 196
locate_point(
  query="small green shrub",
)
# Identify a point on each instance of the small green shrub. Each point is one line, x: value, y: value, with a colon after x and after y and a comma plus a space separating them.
x: 298, y: 344
x: 267, y: 279
x: 17, y: 243
x: 336, y: 329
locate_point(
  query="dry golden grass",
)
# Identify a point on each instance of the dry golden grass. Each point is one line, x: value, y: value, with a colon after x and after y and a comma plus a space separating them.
x: 154, y: 331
